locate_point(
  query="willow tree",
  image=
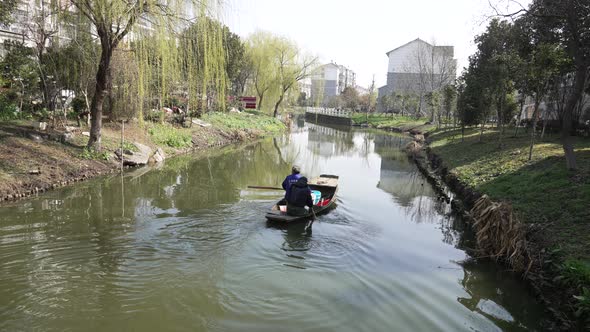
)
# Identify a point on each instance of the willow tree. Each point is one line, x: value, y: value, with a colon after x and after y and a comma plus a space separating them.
x: 115, y: 20
x: 260, y: 49
x: 203, y: 62
x: 277, y: 65
x: 292, y: 67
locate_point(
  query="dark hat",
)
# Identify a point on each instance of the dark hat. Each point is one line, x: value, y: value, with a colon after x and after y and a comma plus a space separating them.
x: 301, y: 182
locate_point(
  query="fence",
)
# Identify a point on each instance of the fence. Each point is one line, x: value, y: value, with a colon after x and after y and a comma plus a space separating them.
x: 329, y: 111
x: 328, y: 116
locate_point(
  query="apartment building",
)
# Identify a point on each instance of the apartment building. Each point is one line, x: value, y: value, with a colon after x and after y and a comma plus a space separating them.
x: 34, y: 21
x: 418, y: 67
x: 330, y: 80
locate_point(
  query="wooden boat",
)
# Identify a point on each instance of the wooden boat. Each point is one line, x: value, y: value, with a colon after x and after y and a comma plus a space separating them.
x: 326, y: 184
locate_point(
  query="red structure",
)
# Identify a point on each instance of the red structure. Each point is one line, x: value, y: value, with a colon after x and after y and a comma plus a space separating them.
x: 248, y: 103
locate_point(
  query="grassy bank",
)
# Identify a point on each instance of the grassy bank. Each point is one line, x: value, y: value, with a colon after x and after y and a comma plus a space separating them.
x: 33, y: 161
x: 388, y: 121
x: 257, y: 124
x: 542, y: 191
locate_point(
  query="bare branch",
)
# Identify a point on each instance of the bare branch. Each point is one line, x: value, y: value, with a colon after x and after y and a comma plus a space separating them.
x: 87, y: 12
x: 512, y: 15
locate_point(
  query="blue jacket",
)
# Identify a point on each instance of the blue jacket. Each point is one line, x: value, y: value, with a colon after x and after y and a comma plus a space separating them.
x: 300, y: 194
x: 288, y: 182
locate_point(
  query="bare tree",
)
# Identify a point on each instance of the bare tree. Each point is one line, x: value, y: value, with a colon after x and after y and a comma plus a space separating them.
x: 40, y: 30
x: 428, y: 69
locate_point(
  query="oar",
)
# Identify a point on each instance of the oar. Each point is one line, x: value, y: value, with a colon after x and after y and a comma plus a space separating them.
x: 308, y: 226
x: 262, y: 187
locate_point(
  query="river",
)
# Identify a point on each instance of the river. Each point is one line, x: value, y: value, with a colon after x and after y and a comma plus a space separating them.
x: 185, y: 247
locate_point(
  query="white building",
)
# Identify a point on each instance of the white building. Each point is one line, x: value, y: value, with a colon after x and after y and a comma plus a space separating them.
x: 419, y: 67
x: 32, y: 19
x: 330, y: 80
x: 30, y: 15
x: 305, y: 87
x: 18, y: 30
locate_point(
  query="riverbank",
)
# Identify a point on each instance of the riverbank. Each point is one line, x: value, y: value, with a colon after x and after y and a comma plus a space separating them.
x: 550, y: 206
x: 33, y: 161
x: 392, y: 122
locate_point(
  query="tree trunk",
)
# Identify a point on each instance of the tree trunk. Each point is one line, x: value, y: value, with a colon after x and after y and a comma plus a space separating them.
x: 544, y: 124
x: 278, y: 103
x: 517, y: 123
x: 85, y: 93
x: 448, y: 119
x: 481, y: 132
x: 566, y: 127
x: 260, y: 98
x: 462, y: 133
x: 45, y: 86
x: 534, y: 129
x: 103, y: 83
x: 500, y: 119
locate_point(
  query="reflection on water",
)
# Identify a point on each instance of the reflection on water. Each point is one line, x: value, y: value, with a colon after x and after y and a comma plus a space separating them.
x: 186, y: 247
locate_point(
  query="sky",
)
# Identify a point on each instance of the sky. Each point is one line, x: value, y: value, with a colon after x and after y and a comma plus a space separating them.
x: 357, y: 34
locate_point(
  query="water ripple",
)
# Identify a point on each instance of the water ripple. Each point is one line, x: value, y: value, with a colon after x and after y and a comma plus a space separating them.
x: 186, y: 247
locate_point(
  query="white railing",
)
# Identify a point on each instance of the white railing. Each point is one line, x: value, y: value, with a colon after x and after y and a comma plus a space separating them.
x: 329, y: 111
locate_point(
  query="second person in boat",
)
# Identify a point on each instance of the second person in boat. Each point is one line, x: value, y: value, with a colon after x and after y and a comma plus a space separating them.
x: 299, y: 198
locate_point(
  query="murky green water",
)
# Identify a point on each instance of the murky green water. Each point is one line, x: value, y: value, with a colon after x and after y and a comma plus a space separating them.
x: 186, y: 248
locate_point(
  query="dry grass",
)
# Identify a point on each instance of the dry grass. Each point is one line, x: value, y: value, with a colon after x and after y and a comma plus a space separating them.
x: 413, y: 148
x: 500, y: 235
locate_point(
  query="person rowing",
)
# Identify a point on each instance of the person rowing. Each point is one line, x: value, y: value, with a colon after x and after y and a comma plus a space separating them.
x: 291, y: 180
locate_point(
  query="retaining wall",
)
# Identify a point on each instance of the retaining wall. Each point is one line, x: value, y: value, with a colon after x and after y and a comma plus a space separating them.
x: 327, y: 119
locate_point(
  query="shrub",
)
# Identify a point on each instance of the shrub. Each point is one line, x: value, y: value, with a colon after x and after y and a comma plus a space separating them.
x: 170, y: 136
x: 91, y: 154
x: 78, y: 105
x: 576, y: 273
x: 130, y: 146
x: 9, y: 112
x: 153, y: 115
x: 241, y: 121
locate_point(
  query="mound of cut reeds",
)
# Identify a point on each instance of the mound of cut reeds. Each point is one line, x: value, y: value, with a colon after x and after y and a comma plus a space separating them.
x: 413, y: 148
x: 500, y: 235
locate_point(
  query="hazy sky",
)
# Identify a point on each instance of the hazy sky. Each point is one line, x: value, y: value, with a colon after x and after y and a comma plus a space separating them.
x: 357, y: 34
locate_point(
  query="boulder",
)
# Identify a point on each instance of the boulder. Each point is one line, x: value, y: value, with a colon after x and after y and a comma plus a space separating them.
x: 40, y: 125
x: 137, y: 158
x: 201, y: 123
x: 55, y: 136
x: 158, y: 156
x: 66, y: 137
x: 35, y: 137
